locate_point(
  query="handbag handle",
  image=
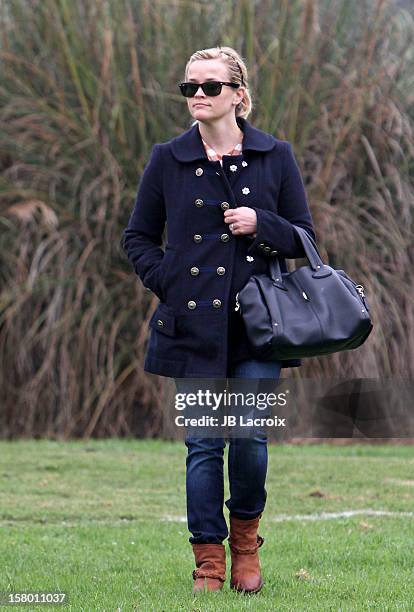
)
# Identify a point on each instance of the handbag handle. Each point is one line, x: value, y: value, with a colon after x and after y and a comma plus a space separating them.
x: 312, y: 254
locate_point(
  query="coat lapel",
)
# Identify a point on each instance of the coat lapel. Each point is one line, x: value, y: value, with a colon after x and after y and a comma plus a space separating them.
x: 235, y: 162
x: 188, y: 146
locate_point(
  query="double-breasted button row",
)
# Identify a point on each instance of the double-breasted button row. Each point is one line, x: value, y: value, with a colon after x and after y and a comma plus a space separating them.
x: 193, y: 304
x: 198, y: 238
x: 267, y: 250
x: 233, y: 168
x: 196, y: 271
x: 199, y: 203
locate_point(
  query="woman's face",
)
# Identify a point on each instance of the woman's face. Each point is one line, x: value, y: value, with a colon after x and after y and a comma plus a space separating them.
x: 210, y: 108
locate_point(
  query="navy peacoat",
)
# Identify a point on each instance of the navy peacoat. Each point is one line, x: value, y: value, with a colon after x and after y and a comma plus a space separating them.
x: 197, y: 275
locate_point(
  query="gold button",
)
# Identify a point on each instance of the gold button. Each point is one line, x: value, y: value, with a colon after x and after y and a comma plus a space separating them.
x: 199, y: 171
x: 194, y: 271
x: 221, y: 270
x: 261, y: 245
x: 273, y: 252
x: 191, y: 304
x: 224, y: 205
x: 224, y: 237
x: 197, y: 238
x: 267, y: 249
x: 160, y: 323
x: 199, y: 203
x: 216, y: 303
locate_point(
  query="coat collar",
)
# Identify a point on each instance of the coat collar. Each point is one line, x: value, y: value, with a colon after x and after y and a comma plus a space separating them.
x: 189, y: 147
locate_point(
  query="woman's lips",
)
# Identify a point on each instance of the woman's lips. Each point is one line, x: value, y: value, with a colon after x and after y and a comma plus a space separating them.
x: 205, y: 105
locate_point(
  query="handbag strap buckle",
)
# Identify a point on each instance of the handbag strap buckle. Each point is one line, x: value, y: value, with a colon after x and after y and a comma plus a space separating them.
x: 360, y: 290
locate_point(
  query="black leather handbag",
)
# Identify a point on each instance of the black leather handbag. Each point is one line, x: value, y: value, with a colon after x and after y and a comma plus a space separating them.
x: 314, y: 310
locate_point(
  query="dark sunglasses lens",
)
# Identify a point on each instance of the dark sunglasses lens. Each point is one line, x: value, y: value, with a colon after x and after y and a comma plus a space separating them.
x: 212, y: 89
x: 188, y: 89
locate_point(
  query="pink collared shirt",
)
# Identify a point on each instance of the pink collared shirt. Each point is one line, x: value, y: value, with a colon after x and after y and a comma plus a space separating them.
x: 214, y: 156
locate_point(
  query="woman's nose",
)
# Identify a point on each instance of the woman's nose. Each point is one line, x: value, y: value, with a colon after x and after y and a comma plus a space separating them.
x: 200, y: 93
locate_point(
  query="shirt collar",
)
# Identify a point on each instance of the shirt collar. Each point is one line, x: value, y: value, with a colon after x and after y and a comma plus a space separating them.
x: 189, y: 146
x: 235, y: 150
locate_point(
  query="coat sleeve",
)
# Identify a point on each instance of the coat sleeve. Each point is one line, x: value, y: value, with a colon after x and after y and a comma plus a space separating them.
x: 142, y: 238
x: 275, y: 230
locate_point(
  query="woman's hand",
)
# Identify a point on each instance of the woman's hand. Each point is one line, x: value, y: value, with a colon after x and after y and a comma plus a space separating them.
x: 242, y: 220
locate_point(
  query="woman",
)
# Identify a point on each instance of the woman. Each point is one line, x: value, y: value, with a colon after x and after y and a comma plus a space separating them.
x: 229, y: 194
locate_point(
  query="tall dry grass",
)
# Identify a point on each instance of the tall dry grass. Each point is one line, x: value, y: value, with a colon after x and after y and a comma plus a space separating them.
x: 86, y: 88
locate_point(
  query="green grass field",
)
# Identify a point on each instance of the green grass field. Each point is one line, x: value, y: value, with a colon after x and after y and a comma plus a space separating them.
x: 104, y: 521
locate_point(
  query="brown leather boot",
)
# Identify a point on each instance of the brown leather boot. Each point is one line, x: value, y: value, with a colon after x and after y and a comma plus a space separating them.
x: 244, y: 542
x: 210, y: 574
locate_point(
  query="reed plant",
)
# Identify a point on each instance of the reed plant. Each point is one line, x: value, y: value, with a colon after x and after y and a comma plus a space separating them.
x: 86, y: 89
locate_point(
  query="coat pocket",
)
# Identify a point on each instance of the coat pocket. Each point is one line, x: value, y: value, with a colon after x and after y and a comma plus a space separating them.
x: 165, y: 269
x: 163, y: 320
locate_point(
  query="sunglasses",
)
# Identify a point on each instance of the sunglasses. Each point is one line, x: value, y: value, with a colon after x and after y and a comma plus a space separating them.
x: 210, y: 88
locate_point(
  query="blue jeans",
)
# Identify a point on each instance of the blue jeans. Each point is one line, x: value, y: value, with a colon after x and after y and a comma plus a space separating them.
x: 247, y: 467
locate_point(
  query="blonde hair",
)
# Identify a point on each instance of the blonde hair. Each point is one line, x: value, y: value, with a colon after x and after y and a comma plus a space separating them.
x: 237, y: 73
